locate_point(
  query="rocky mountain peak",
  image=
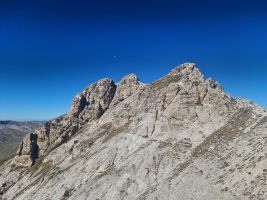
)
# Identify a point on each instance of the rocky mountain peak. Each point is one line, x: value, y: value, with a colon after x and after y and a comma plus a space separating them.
x: 126, y: 87
x: 130, y: 79
x: 98, y: 97
x: 185, y: 67
x: 94, y: 100
x: 181, y: 135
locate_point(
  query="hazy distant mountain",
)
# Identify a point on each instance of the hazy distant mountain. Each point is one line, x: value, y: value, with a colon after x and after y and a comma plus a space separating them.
x: 181, y: 137
x: 21, y: 125
x: 11, y: 134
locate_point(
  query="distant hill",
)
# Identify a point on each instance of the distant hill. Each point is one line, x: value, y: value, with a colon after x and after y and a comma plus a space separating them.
x: 11, y: 133
x: 21, y: 125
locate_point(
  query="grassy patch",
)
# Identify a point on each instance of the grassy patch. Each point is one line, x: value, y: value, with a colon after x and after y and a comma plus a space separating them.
x: 36, y: 166
x: 46, y: 167
x: 115, y: 132
x: 224, y: 135
x: 165, y: 81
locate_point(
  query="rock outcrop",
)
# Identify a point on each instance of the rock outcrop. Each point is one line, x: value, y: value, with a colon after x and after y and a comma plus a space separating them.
x: 86, y: 106
x: 181, y: 136
x: 127, y: 86
x: 98, y: 98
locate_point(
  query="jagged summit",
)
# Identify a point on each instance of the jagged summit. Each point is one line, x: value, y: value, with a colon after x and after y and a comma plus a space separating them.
x: 180, y: 136
x: 189, y: 67
x: 126, y: 87
x: 129, y: 78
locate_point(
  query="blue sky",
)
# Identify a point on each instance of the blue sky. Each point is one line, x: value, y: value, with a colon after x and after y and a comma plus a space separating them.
x: 51, y: 50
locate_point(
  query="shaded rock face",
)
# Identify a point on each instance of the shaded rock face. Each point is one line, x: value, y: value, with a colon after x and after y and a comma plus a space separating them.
x: 34, y: 148
x: 181, y: 136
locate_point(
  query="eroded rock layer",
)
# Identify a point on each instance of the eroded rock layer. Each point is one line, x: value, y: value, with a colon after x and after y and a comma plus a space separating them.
x: 181, y: 137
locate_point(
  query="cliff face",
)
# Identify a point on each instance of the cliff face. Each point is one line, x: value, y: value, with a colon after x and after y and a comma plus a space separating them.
x: 181, y: 136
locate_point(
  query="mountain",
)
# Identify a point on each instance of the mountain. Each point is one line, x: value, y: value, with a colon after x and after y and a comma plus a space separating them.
x: 180, y: 137
x: 11, y: 133
x: 21, y: 125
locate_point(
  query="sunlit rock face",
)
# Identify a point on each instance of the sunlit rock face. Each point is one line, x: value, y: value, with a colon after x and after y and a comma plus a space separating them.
x: 86, y: 106
x: 180, y: 137
x: 98, y: 98
x: 127, y: 86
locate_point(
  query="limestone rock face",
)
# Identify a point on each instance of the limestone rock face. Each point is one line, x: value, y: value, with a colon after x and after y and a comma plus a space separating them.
x: 180, y: 137
x: 127, y: 86
x: 86, y: 106
x: 98, y: 97
x: 78, y: 104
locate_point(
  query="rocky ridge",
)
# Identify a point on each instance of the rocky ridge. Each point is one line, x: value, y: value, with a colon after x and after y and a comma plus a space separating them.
x: 181, y: 136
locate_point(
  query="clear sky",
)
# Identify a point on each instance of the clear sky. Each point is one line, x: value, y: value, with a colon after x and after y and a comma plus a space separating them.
x: 51, y: 50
